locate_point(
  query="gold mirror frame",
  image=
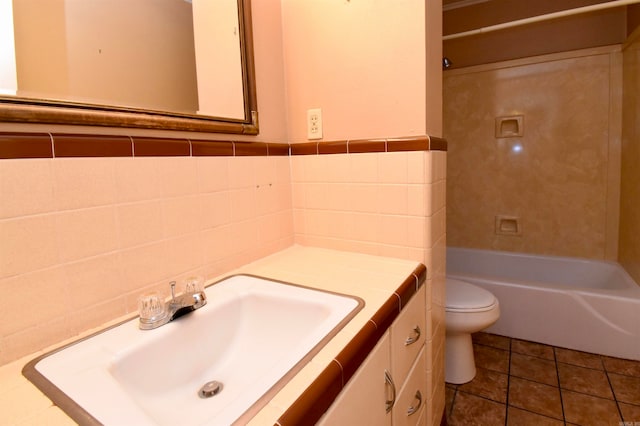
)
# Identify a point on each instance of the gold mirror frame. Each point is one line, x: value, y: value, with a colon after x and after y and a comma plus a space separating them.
x: 31, y: 110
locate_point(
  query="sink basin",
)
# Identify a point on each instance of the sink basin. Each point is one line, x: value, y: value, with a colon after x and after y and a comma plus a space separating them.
x: 252, y: 336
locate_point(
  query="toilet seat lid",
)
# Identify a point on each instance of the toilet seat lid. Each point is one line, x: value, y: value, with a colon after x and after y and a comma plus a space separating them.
x: 465, y: 296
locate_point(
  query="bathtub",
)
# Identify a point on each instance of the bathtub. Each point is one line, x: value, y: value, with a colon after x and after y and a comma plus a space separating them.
x: 580, y: 304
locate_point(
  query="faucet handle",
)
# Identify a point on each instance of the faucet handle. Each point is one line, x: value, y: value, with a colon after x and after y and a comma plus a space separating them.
x: 194, y: 285
x: 151, y: 307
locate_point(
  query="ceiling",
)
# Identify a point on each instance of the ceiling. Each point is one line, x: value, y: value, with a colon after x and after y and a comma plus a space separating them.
x: 585, y: 30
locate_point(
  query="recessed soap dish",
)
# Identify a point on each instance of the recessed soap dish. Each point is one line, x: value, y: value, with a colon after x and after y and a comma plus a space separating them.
x: 510, y: 126
x: 508, y: 225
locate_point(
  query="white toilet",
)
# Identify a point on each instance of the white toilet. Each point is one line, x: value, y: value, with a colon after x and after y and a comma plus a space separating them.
x: 469, y: 309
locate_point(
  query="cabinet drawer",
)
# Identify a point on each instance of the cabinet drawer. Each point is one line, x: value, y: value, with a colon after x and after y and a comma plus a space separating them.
x: 362, y: 401
x: 403, y: 331
x: 411, y: 400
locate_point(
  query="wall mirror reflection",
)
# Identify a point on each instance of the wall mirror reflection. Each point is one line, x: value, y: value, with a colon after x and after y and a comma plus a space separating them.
x: 179, y: 64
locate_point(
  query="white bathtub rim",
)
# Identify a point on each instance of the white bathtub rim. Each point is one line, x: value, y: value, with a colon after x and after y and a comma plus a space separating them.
x: 603, y: 320
x: 533, y: 255
x: 614, y: 293
x: 626, y: 281
x: 524, y: 318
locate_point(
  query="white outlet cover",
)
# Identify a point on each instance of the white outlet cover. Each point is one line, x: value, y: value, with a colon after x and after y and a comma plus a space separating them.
x: 314, y: 123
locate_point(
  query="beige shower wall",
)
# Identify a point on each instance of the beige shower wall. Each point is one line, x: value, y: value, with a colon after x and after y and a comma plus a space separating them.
x: 629, y: 248
x: 561, y: 178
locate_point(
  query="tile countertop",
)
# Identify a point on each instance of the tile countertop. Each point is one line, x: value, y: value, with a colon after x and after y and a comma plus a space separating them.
x: 372, y: 278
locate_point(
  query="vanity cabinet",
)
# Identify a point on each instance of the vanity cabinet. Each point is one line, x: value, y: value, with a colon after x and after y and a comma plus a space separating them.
x: 392, y: 376
x: 362, y: 401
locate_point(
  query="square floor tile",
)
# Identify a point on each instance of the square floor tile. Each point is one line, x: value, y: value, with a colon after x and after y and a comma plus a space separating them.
x: 584, y: 380
x: 493, y: 340
x: 622, y: 366
x: 489, y: 384
x: 583, y: 359
x: 533, y: 368
x: 587, y: 410
x: 449, y: 395
x: 528, y: 383
x: 531, y: 348
x: 630, y: 413
x: 626, y: 388
x: 491, y: 358
x: 471, y: 410
x: 518, y: 417
x: 535, y: 397
x: 451, y: 385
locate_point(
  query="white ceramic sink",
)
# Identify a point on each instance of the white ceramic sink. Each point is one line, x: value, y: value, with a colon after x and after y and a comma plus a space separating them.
x: 252, y: 336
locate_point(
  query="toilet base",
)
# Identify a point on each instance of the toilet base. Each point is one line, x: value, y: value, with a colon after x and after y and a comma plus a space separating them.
x: 460, y: 366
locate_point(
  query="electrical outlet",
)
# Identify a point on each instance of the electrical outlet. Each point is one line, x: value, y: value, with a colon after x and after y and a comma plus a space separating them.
x: 314, y: 123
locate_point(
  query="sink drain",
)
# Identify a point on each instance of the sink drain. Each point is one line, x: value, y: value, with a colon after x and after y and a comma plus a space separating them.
x: 210, y: 389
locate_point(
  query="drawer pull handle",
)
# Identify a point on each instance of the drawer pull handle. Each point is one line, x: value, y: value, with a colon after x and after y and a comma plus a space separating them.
x: 414, y: 409
x: 391, y: 388
x: 412, y: 339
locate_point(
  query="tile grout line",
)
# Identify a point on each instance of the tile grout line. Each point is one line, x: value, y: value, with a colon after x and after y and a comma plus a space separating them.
x: 555, y: 362
x: 453, y: 401
x: 556, y: 353
x: 613, y: 392
x: 506, y: 401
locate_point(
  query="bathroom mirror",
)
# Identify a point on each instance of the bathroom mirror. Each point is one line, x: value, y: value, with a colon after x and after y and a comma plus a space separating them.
x: 163, y: 64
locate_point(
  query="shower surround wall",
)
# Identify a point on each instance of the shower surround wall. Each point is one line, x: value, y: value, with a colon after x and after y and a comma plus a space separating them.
x: 561, y: 178
x: 629, y: 247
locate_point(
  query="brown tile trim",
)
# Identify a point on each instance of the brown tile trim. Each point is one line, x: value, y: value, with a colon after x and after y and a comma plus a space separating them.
x: 418, y: 143
x: 437, y: 144
x: 366, y: 146
x: 406, y: 290
x: 385, y: 316
x: 277, y: 149
x: 411, y: 285
x: 410, y: 143
x: 306, y: 148
x: 245, y: 149
x: 421, y: 275
x: 38, y: 145
x: 317, y: 398
x: 25, y: 145
x: 336, y: 147
x: 229, y: 148
x: 387, y: 313
x: 211, y: 148
x: 67, y: 145
x: 355, y: 352
x: 160, y: 147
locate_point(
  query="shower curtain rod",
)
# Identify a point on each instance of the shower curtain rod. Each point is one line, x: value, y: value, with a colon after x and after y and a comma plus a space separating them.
x: 539, y: 18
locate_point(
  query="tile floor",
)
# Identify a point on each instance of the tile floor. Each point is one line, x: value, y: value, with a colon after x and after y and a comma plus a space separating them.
x: 526, y: 383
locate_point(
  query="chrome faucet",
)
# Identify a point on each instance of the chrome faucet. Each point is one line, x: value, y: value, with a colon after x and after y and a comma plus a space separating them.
x: 155, y: 312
